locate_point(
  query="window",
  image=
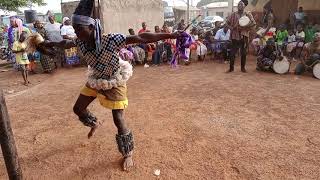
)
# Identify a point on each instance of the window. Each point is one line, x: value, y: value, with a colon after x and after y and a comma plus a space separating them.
x: 219, y: 14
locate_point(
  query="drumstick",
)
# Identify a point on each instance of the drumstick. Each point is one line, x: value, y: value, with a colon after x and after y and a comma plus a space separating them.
x: 191, y: 22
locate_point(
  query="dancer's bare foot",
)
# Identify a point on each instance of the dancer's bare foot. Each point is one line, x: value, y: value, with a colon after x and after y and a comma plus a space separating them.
x: 93, y: 130
x: 128, y: 162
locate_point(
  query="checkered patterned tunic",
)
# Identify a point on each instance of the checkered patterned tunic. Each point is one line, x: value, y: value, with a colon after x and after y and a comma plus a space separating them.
x: 106, y: 62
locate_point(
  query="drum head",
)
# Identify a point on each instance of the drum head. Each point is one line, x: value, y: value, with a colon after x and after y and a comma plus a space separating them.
x: 316, y: 70
x: 244, y: 21
x: 281, y: 67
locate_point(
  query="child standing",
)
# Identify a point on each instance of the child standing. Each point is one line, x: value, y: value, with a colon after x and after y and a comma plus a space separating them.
x: 19, y: 48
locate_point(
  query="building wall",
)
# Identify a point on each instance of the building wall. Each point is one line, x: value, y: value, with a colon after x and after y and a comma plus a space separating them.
x: 181, y: 14
x: 217, y: 11
x: 120, y: 15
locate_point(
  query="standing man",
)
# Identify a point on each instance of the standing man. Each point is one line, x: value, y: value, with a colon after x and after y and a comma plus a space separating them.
x: 239, y: 35
x: 53, y: 30
x: 299, y: 17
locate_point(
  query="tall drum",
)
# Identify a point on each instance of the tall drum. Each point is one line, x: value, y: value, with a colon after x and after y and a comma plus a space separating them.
x: 244, y: 21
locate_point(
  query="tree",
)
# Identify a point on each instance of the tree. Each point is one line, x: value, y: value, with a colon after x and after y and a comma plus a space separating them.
x: 14, y: 5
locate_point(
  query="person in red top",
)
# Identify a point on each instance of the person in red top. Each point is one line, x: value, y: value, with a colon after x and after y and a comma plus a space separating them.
x: 145, y: 47
x: 144, y: 28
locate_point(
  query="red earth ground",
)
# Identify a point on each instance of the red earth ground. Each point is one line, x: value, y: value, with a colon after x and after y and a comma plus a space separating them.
x: 195, y: 122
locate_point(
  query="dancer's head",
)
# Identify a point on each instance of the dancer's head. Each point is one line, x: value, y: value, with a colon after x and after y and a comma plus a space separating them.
x: 82, y: 21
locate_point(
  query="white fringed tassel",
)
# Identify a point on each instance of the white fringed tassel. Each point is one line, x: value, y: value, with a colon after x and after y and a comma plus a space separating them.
x: 119, y: 79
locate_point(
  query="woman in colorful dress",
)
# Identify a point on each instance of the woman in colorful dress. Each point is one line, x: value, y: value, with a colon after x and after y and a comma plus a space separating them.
x: 46, y: 61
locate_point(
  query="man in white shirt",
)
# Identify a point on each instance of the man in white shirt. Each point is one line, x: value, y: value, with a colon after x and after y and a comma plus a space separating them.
x: 222, y: 41
x: 53, y: 32
x: 299, y: 17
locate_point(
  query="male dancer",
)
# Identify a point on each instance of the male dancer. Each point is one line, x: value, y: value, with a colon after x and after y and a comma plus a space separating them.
x: 106, y: 80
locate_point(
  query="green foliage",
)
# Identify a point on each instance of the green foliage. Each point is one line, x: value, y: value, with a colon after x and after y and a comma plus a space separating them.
x: 13, y: 5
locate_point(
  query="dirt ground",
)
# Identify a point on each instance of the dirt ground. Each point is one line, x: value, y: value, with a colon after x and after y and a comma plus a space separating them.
x: 194, y: 122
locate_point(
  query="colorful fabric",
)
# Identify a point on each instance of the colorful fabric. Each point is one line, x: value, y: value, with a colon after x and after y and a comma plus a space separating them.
x: 281, y: 37
x: 21, y: 57
x: 71, y: 56
x: 139, y: 54
x: 46, y: 63
x: 86, y: 20
x: 104, y: 100
x: 310, y: 34
x: 182, y: 48
x: 262, y: 62
x: 126, y: 55
x: 104, y: 63
x: 11, y: 32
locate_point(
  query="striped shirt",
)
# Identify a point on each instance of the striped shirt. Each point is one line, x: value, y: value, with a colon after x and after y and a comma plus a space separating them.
x: 233, y: 23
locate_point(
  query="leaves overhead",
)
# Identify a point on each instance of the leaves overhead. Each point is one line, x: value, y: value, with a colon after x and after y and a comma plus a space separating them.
x: 14, y: 5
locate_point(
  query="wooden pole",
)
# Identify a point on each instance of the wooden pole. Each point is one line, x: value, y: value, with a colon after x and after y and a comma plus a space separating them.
x: 8, y: 146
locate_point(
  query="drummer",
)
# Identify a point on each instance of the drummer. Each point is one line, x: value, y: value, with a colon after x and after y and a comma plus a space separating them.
x: 222, y: 41
x: 267, y: 56
x: 312, y: 50
x: 240, y: 35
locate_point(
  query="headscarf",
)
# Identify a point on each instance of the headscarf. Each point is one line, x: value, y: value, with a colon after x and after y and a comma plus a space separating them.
x: 65, y: 19
x: 82, y: 16
x: 20, y: 25
x: 87, y: 21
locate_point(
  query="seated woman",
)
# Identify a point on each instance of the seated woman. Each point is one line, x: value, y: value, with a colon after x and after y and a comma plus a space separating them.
x: 67, y: 32
x: 198, y: 44
x: 138, y: 53
x: 299, y: 42
x: 267, y: 56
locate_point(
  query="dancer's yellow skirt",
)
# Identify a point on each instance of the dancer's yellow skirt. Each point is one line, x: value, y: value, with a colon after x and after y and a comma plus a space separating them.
x: 115, y: 98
